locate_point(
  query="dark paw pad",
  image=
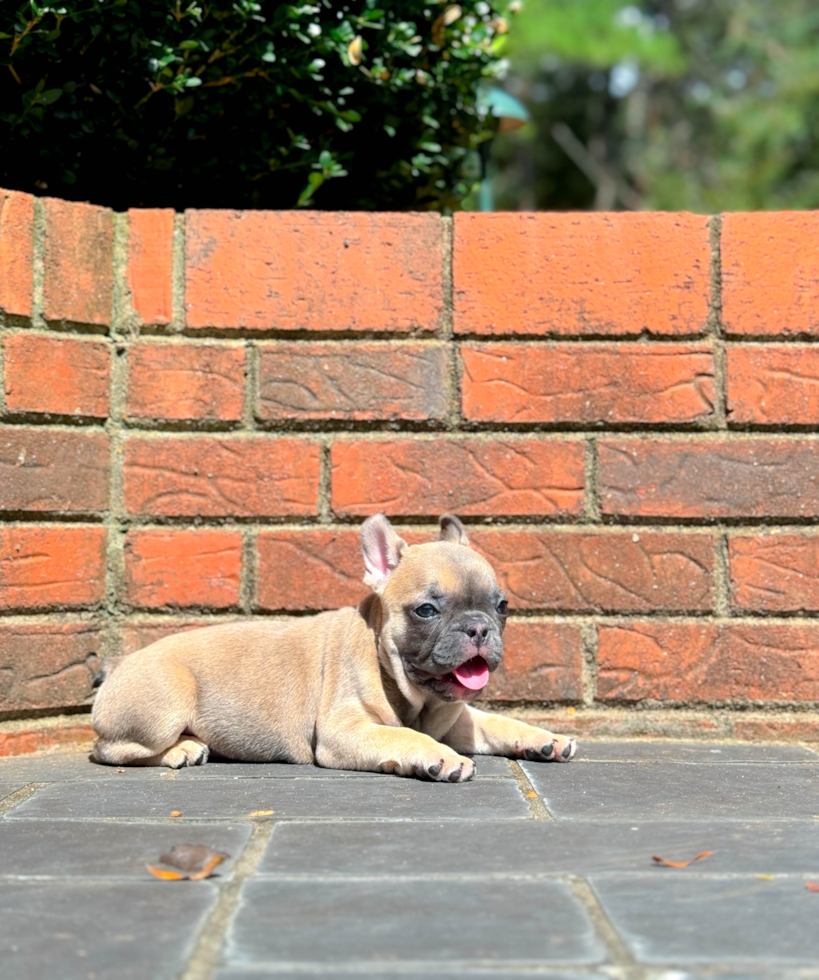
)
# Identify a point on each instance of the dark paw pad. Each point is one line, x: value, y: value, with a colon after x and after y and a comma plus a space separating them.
x: 456, y: 775
x: 548, y: 751
x: 435, y: 770
x: 566, y: 753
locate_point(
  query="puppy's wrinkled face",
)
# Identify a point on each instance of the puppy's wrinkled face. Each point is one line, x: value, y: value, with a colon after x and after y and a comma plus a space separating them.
x: 446, y: 614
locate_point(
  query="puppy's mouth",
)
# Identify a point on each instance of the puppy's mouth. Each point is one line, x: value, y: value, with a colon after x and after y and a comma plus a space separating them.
x: 460, y: 684
x: 473, y: 675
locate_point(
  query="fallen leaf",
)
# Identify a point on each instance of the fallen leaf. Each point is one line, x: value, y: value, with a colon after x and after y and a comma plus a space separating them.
x: 532, y: 795
x: 119, y: 770
x: 765, y: 877
x: 195, y: 859
x: 682, y: 864
x: 165, y: 875
x: 261, y: 813
x: 176, y: 813
x: 191, y: 857
x: 812, y: 886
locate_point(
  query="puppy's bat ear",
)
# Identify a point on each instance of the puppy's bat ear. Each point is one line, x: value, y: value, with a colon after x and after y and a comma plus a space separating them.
x: 382, y: 549
x: 452, y: 530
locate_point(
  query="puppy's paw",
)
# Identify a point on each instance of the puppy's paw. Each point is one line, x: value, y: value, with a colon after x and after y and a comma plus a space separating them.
x: 449, y: 769
x: 189, y: 751
x: 554, y: 748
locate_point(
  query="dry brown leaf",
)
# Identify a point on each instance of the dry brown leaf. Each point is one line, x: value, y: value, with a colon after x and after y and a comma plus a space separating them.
x: 812, y: 886
x: 531, y: 795
x: 195, y: 861
x: 176, y: 813
x: 165, y: 875
x: 682, y: 864
x: 191, y: 857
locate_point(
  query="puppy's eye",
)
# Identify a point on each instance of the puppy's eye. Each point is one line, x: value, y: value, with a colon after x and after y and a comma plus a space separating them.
x: 503, y: 607
x: 426, y: 611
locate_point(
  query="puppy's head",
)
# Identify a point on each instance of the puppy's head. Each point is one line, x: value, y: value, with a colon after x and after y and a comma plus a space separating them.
x: 443, y: 610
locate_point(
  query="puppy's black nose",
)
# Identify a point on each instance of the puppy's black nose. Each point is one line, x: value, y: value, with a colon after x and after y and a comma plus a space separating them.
x: 477, y: 632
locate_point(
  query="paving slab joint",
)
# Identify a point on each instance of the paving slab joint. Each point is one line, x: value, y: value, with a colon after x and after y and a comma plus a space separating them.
x: 19, y: 796
x: 608, y: 935
x: 205, y: 958
x: 537, y: 808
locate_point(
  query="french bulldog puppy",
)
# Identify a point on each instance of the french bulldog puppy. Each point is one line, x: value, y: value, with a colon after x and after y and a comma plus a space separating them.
x: 383, y: 687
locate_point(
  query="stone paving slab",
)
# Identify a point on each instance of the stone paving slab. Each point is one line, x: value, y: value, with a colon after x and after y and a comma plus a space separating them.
x: 697, y: 752
x: 383, y: 797
x: 7, y: 788
x: 537, y: 848
x: 487, y: 766
x: 61, y: 767
x: 375, y: 876
x: 100, y: 930
x: 387, y: 973
x: 412, y: 921
x: 671, y: 791
x: 56, y: 849
x: 702, y: 919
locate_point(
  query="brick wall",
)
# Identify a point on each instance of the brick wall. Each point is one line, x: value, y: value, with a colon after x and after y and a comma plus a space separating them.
x: 197, y: 411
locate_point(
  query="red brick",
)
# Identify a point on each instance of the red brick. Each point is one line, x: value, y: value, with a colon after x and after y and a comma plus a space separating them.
x: 53, y: 470
x: 328, y: 271
x: 150, y: 263
x: 16, y: 252
x: 51, y: 566
x: 776, y: 384
x: 136, y: 636
x: 541, y: 662
x: 47, y: 665
x: 612, y: 572
x: 797, y: 727
x: 315, y: 568
x: 775, y: 572
x: 179, y: 568
x: 467, y: 476
x: 707, y: 662
x: 36, y: 736
x: 770, y: 273
x: 352, y: 381
x: 185, y: 381
x: 221, y: 477
x: 581, y: 274
x: 58, y: 375
x: 612, y: 383
x: 309, y: 569
x: 79, y: 249
x: 710, y: 478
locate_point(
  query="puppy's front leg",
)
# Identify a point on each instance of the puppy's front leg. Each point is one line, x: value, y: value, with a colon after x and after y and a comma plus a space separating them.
x: 487, y: 734
x: 372, y: 747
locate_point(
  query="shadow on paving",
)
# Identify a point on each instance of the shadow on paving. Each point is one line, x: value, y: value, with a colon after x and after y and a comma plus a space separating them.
x: 531, y: 870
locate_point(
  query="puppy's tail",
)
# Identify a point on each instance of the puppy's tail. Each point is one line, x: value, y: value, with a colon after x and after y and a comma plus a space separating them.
x: 109, y: 665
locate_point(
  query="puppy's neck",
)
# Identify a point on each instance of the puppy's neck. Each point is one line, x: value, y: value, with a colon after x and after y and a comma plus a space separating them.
x: 407, y: 701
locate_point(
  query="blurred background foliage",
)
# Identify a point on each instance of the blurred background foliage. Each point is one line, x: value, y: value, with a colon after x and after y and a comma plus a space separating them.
x: 237, y: 103
x: 701, y: 105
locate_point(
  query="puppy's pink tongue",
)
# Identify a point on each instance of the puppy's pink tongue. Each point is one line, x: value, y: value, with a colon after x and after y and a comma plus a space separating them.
x: 473, y: 674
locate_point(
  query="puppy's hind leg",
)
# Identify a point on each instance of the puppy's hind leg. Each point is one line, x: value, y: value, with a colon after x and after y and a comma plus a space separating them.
x: 185, y: 751
x: 141, y: 715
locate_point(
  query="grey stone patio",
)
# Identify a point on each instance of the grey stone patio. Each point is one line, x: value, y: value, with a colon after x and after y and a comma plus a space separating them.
x: 532, y: 870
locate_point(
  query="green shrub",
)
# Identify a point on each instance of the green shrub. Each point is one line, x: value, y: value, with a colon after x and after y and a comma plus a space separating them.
x: 185, y: 103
